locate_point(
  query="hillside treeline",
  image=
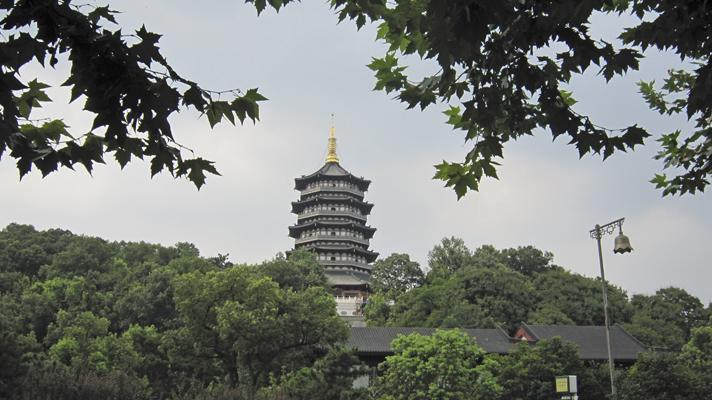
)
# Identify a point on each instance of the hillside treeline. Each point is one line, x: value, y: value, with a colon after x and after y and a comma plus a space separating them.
x: 86, y: 318
x: 486, y: 287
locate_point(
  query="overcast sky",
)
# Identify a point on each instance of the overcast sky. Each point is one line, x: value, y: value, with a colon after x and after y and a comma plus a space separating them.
x: 310, y: 67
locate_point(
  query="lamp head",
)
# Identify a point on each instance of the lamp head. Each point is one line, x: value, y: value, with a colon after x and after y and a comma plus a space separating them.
x: 622, y: 244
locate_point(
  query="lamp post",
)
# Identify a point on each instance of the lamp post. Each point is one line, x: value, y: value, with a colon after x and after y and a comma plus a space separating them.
x: 621, y: 245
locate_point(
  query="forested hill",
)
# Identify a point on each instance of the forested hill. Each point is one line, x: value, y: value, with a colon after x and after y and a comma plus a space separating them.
x: 86, y: 318
x: 488, y: 287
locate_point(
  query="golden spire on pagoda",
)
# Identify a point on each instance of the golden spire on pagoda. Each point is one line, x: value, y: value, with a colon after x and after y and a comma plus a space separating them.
x: 331, y: 154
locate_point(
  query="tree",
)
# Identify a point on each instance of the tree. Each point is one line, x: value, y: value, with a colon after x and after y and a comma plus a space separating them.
x: 529, y: 371
x: 395, y: 275
x: 665, y: 375
x: 506, y: 296
x: 577, y: 297
x: 84, y: 343
x: 447, y: 365
x: 300, y: 271
x: 126, y: 320
x: 253, y: 327
x: 25, y: 250
x: 447, y: 257
x: 126, y: 83
x: 697, y: 356
x: 330, y: 378
x: 528, y: 260
x: 658, y: 376
x: 482, y: 293
x: 666, y: 318
x: 499, y: 76
x: 148, y: 302
x: 377, y: 310
x: 499, y: 67
x: 15, y: 344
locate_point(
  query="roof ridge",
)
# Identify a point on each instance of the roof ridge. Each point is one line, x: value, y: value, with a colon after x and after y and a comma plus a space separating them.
x: 529, y: 329
x: 635, y: 339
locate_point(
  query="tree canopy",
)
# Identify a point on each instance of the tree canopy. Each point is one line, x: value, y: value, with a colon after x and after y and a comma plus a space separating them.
x: 447, y: 365
x: 505, y: 67
x: 86, y: 318
x: 395, y: 275
x: 126, y: 84
x: 489, y: 287
x: 504, y: 70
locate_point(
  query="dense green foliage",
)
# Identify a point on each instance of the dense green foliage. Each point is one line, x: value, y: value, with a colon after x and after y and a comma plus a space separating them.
x: 395, y: 275
x: 450, y: 365
x: 127, y: 86
x: 686, y: 375
x: 447, y: 365
x: 504, y: 68
x: 84, y: 318
x: 489, y: 287
x: 528, y: 372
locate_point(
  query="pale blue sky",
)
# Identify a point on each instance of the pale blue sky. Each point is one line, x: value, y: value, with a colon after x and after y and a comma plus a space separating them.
x: 310, y: 67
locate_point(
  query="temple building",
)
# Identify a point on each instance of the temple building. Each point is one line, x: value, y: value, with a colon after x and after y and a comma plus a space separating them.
x: 331, y: 221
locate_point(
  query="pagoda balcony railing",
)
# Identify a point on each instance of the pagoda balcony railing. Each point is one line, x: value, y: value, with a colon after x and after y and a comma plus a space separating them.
x: 330, y: 213
x: 346, y: 263
x: 332, y: 189
x: 331, y: 238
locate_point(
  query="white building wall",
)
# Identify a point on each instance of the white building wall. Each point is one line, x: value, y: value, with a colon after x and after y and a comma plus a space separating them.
x: 349, y: 306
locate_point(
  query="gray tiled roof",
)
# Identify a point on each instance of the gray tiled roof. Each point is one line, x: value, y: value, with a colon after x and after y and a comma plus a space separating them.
x: 591, y: 340
x: 347, y: 278
x: 332, y: 169
x: 377, y: 340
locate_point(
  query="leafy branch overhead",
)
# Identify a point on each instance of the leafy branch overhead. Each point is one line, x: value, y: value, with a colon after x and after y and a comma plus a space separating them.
x: 504, y: 69
x: 124, y: 81
x: 503, y: 79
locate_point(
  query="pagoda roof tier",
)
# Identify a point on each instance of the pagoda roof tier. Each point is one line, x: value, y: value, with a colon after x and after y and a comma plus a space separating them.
x: 368, y: 254
x: 298, y: 206
x: 295, y: 230
x: 330, y: 190
x: 330, y: 238
x: 331, y: 171
x: 349, y: 265
x: 322, y: 215
x: 347, y: 278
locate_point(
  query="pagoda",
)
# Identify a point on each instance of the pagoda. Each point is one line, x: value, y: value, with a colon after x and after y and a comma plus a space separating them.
x: 331, y: 222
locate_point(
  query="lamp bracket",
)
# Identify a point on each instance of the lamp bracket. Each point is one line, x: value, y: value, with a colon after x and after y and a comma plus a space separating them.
x: 608, y: 229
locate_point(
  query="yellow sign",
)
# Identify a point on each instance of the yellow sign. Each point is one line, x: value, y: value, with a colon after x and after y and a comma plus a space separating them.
x: 562, y: 384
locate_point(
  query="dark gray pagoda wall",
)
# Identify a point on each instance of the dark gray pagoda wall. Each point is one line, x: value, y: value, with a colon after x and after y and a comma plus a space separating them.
x: 334, y: 197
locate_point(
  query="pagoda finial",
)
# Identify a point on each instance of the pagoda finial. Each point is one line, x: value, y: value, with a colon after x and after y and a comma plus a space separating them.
x: 331, y: 156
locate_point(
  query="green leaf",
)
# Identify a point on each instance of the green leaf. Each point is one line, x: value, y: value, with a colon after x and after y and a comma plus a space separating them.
x: 47, y: 163
x: 254, y: 95
x: 214, y: 113
x: 194, y: 97
x: 195, y: 169
x: 567, y: 97
x: 24, y: 109
x: 489, y: 170
x: 260, y: 5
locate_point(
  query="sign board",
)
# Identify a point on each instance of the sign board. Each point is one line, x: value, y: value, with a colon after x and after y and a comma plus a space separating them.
x: 566, y: 384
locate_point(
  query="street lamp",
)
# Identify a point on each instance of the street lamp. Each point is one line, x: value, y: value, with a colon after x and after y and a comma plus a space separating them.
x: 621, y: 245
